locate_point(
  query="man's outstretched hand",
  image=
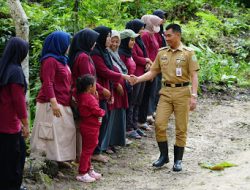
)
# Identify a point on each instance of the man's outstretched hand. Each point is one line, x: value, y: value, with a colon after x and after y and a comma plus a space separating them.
x: 133, y: 79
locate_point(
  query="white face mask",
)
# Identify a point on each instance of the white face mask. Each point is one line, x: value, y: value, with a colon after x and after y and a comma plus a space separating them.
x: 156, y: 29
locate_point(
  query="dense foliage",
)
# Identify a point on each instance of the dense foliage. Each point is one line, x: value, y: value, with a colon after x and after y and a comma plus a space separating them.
x: 217, y: 30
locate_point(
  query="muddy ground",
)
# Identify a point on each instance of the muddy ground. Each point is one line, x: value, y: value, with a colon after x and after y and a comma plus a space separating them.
x: 219, y: 131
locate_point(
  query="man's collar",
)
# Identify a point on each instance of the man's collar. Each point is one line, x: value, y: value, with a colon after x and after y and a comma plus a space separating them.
x: 180, y: 48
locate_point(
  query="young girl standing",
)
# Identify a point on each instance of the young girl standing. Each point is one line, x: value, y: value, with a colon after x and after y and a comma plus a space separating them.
x: 91, y: 115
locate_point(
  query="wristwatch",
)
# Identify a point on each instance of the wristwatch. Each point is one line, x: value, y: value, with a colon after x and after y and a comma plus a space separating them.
x: 194, y: 95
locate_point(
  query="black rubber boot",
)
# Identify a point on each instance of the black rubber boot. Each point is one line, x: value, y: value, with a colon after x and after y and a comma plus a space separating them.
x: 178, y: 154
x: 163, y: 159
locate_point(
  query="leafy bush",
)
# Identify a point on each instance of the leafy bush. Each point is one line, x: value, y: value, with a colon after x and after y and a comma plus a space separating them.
x: 7, y: 27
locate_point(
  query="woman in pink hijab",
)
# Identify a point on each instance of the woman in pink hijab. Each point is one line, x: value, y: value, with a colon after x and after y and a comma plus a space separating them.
x: 152, y: 26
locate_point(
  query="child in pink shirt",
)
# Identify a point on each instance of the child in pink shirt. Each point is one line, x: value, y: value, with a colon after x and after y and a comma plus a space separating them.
x: 91, y: 115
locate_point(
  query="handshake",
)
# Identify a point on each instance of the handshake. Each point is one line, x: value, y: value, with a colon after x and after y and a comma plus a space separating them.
x: 132, y: 79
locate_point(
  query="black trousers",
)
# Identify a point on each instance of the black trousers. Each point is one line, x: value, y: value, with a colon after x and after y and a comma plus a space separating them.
x: 134, y: 100
x: 12, y: 159
x: 143, y: 109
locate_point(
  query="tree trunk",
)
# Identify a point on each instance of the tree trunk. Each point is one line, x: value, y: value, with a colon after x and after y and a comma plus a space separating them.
x: 22, y: 30
x: 75, y: 16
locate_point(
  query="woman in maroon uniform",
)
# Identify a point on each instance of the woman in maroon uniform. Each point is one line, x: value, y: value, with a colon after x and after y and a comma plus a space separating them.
x: 125, y: 51
x: 54, y: 128
x: 152, y: 26
x: 117, y: 120
x: 143, y: 62
x: 106, y: 77
x: 160, y: 37
x: 13, y: 115
x: 79, y: 57
x: 81, y: 63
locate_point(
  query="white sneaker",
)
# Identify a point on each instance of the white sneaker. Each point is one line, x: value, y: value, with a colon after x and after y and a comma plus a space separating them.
x: 150, y: 119
x: 154, y: 114
x: 94, y: 174
x: 128, y: 142
x: 86, y: 178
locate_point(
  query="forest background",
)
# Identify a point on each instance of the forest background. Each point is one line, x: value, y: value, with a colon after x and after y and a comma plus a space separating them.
x: 218, y: 30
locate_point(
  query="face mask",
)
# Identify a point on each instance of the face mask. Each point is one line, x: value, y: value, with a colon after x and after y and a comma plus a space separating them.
x: 156, y: 29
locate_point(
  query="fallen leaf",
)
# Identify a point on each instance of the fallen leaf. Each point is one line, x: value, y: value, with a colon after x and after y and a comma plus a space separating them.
x: 219, y: 166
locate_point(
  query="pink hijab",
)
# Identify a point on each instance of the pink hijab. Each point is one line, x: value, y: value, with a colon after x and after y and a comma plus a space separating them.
x: 152, y: 22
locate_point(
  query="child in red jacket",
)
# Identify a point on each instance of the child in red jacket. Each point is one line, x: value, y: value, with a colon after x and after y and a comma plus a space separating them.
x: 91, y: 115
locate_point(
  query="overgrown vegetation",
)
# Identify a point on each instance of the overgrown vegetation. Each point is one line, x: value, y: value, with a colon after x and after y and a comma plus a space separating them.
x: 217, y: 30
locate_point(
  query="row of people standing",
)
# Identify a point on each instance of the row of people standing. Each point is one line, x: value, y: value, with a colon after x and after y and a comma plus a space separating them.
x: 91, y: 52
x: 108, y: 71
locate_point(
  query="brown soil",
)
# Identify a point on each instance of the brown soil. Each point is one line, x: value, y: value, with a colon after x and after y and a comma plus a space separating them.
x: 218, y: 131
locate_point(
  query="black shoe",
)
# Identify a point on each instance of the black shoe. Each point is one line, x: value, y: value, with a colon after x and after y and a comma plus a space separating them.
x: 163, y: 159
x: 177, y: 166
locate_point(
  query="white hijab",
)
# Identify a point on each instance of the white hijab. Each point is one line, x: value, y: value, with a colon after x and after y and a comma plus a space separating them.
x: 116, y: 60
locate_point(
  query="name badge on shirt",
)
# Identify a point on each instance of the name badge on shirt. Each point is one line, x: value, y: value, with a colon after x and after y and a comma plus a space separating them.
x: 178, y: 68
x: 178, y: 72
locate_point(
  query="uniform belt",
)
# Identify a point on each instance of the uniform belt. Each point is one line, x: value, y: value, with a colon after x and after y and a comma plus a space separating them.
x: 176, y: 85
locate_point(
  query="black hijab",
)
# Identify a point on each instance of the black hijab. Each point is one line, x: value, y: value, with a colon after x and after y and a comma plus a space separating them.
x: 100, y: 48
x: 160, y: 13
x: 83, y: 41
x: 124, y: 49
x: 10, y: 65
x: 136, y: 26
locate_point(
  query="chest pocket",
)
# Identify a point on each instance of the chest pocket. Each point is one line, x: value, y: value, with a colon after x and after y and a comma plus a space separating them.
x: 164, y: 60
x: 181, y: 61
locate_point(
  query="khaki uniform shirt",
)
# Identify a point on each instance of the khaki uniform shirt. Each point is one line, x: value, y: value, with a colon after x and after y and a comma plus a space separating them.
x: 167, y: 60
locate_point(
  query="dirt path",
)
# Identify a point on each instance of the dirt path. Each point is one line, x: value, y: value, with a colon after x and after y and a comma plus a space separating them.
x: 219, y: 131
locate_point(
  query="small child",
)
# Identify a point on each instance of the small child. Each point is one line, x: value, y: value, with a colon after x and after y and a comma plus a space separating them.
x: 91, y: 115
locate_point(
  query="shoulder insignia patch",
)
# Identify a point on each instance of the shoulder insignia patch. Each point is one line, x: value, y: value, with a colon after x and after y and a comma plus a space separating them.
x: 188, y: 48
x: 162, y: 48
x: 194, y: 58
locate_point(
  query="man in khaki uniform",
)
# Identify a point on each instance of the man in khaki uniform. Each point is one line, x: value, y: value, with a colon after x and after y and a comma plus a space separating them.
x: 178, y: 65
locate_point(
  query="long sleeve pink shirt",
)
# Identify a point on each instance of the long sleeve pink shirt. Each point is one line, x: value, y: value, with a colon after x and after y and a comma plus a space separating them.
x: 56, y: 82
x: 12, y: 108
x: 151, y: 44
x: 83, y: 66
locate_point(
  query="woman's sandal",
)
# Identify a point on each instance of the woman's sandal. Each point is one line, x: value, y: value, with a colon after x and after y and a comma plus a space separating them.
x: 145, y: 127
x: 100, y: 158
x: 109, y: 151
x: 133, y: 135
x: 141, y: 133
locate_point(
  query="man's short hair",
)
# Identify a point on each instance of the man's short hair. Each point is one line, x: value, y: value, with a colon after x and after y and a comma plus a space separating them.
x: 174, y: 27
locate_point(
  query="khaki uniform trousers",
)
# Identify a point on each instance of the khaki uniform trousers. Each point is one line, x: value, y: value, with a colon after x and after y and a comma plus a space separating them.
x: 173, y: 100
